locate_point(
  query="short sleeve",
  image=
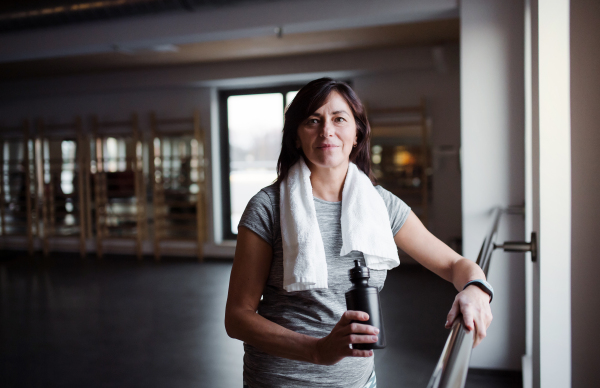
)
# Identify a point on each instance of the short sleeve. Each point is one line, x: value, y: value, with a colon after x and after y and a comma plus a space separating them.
x: 397, y: 209
x: 259, y: 216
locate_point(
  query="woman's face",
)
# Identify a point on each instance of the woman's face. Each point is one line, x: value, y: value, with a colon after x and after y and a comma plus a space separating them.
x: 328, y: 135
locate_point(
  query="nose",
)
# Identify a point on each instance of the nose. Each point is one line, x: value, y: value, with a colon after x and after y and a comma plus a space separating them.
x: 327, y: 129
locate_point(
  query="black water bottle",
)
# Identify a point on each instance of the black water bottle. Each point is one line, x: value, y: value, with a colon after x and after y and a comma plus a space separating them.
x: 362, y: 297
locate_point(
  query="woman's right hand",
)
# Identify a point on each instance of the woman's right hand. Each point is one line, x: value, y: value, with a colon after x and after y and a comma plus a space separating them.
x: 334, y: 347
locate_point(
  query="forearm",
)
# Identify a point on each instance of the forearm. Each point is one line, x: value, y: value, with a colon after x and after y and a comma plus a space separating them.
x: 249, y: 274
x: 463, y: 271
x: 274, y: 339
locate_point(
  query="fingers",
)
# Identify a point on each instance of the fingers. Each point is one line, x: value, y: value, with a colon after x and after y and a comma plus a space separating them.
x: 482, y: 323
x: 357, y: 333
x: 362, y: 339
x: 452, y: 314
x: 358, y: 353
x: 468, y: 318
x: 351, y: 315
x: 477, y: 325
x: 480, y: 334
x: 361, y: 353
x: 334, y: 347
x: 359, y: 328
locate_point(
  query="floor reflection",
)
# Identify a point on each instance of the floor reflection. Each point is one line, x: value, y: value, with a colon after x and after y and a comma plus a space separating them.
x: 120, y: 323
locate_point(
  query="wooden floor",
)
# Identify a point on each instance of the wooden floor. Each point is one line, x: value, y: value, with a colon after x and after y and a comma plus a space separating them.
x: 120, y: 323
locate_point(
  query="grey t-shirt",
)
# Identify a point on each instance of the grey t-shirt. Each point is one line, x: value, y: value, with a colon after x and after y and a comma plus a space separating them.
x: 312, y: 312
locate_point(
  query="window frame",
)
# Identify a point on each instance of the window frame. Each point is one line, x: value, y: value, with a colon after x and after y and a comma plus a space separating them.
x: 223, y: 95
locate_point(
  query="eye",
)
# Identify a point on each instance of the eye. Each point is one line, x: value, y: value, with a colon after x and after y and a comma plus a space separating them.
x: 312, y: 121
x: 340, y: 119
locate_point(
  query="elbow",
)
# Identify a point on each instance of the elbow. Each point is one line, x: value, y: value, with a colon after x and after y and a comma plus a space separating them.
x: 228, y: 325
x: 231, y: 325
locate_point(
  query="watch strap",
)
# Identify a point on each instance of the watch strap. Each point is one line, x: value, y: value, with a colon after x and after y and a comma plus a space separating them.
x: 483, y: 285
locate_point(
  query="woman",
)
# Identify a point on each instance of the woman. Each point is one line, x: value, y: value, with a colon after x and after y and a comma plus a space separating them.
x: 300, y: 337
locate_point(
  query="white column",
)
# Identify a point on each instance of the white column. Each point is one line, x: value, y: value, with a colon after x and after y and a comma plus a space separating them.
x: 492, y: 160
x: 551, y: 202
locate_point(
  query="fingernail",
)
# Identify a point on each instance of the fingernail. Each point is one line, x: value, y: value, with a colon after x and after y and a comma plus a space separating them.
x: 374, y: 338
x: 446, y: 324
x: 376, y: 331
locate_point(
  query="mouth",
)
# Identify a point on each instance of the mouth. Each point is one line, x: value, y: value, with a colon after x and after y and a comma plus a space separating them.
x: 326, y: 146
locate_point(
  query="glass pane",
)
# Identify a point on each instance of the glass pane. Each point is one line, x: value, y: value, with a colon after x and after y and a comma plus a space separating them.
x: 255, y: 122
x: 68, y: 166
x: 111, y: 154
x: 289, y: 97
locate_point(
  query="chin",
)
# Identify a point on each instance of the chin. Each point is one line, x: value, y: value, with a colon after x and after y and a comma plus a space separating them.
x: 330, y: 163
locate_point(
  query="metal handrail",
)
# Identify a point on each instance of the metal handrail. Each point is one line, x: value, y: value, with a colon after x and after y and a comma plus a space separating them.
x: 453, y: 365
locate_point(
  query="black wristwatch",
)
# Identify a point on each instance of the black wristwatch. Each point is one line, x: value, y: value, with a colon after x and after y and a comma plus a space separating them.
x: 485, y: 286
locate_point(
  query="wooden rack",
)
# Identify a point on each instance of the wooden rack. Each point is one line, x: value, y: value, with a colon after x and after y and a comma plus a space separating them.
x: 64, y: 179
x: 18, y: 209
x: 402, y: 163
x: 119, y: 195
x: 178, y: 181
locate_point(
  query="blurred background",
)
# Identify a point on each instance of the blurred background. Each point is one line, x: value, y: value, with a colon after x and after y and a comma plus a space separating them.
x: 134, y: 132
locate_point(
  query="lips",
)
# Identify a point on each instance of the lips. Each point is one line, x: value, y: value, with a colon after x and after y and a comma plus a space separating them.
x: 325, y: 146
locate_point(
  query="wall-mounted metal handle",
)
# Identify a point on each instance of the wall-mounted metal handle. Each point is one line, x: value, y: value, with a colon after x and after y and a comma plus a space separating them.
x: 521, y: 246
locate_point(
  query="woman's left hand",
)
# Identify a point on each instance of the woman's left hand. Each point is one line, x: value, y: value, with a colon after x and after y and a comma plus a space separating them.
x: 474, y: 305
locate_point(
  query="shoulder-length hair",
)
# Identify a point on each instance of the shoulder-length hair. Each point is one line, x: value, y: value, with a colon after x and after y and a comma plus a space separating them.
x: 309, y: 99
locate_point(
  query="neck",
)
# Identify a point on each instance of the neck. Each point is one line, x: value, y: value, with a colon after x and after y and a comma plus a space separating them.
x: 328, y: 183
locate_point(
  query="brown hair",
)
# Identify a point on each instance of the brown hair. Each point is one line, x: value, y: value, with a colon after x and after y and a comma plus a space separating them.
x: 311, y: 97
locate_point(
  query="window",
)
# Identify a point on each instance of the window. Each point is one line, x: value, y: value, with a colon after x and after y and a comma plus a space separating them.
x: 251, y: 129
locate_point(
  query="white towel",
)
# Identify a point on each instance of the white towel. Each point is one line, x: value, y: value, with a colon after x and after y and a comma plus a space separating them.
x: 365, y: 228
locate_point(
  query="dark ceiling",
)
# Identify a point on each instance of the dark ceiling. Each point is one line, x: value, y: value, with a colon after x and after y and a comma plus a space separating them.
x: 429, y: 33
x: 28, y: 15
x: 16, y: 15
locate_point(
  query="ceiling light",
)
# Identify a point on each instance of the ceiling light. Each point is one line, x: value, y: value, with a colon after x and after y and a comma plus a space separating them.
x: 165, y: 48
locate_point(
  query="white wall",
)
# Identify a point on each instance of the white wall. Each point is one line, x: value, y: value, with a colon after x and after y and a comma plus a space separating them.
x: 585, y: 186
x: 492, y: 133
x: 382, y: 77
x: 225, y: 74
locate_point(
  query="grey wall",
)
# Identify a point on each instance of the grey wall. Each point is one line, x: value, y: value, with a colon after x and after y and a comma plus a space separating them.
x: 585, y: 189
x: 442, y: 90
x: 492, y: 156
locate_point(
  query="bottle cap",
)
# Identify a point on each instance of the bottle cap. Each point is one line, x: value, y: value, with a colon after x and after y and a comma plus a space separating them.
x: 359, y: 272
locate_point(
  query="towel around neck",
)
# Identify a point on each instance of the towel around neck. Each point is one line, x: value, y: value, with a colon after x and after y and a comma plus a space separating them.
x: 365, y: 227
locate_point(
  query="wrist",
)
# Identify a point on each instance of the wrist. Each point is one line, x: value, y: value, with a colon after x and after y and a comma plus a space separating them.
x: 483, y: 285
x: 477, y: 292
x: 313, y: 350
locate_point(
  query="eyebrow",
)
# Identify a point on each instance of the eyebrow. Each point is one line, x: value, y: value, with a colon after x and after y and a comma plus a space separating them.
x: 333, y: 113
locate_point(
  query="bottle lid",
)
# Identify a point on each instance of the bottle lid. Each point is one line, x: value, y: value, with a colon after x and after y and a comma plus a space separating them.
x: 359, y: 272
